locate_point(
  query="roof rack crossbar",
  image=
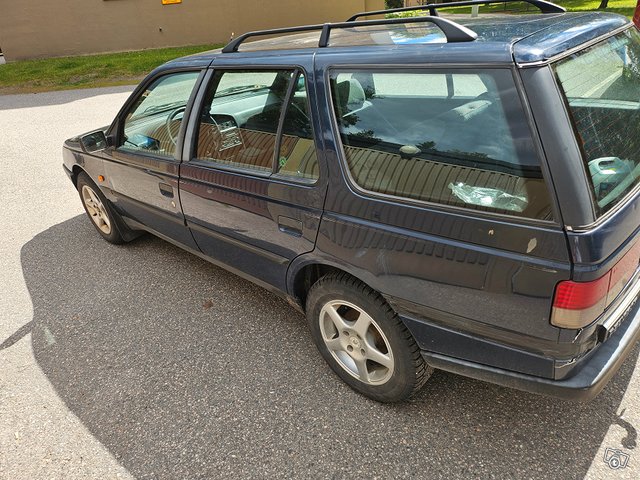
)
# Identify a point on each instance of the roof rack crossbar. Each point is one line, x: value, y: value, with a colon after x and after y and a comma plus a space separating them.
x: 543, y: 5
x: 451, y: 30
x: 233, y: 45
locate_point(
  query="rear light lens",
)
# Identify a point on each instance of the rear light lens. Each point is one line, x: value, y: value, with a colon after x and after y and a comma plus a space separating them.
x: 622, y: 272
x: 636, y: 15
x: 577, y: 304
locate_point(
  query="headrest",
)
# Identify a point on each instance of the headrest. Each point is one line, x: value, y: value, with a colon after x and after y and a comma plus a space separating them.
x: 469, y: 110
x: 350, y: 95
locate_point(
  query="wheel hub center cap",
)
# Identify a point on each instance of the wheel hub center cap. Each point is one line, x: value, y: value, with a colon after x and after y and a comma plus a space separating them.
x: 355, y: 342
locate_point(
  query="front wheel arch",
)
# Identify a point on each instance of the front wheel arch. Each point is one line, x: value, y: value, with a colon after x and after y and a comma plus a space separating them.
x: 75, y: 173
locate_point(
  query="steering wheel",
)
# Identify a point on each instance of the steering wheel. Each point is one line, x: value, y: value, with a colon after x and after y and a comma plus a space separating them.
x: 209, y: 137
x: 170, y: 120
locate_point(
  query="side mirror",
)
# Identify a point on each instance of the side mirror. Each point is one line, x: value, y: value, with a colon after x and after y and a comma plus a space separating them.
x: 94, y: 141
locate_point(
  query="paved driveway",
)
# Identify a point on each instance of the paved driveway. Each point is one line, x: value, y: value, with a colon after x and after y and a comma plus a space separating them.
x: 144, y: 361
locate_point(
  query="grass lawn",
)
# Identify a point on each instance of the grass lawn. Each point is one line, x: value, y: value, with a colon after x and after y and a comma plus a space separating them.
x: 623, y: 7
x: 87, y: 71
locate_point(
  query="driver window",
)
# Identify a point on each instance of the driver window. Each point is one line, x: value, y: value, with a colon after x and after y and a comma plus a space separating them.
x: 153, y: 123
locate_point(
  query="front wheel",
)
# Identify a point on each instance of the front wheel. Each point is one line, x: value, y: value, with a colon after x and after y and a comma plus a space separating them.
x: 363, y: 340
x: 98, y: 209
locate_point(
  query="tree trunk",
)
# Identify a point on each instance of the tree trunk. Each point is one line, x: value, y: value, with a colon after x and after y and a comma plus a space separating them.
x: 603, y: 4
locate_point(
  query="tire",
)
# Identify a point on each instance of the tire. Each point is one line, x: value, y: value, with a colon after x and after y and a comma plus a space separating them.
x: 363, y: 340
x: 99, y: 210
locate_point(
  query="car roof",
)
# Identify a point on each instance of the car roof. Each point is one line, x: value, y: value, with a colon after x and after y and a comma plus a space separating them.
x: 501, y: 38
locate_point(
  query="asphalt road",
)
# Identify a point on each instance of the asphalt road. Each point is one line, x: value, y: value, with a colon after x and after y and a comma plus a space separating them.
x: 143, y: 361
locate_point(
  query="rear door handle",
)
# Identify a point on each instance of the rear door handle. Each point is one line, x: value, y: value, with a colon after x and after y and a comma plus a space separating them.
x: 290, y: 226
x: 166, y: 190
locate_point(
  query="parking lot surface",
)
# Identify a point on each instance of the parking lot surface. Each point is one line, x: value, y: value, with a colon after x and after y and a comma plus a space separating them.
x: 143, y: 361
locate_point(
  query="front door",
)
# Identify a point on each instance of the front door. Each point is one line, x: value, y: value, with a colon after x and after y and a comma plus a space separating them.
x: 142, y: 171
x: 253, y: 191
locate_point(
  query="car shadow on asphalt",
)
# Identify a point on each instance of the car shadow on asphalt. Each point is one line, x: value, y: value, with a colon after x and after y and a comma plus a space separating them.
x: 60, y: 97
x: 183, y: 370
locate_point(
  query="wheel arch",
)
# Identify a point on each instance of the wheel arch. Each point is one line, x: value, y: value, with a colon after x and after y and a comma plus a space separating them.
x: 126, y: 233
x: 76, y: 170
x: 304, y: 273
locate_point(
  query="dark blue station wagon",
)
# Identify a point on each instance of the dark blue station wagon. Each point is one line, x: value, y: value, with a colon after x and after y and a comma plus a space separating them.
x: 458, y: 193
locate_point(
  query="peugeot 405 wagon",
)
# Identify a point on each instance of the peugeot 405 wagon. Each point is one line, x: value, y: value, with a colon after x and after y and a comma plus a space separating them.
x: 458, y: 193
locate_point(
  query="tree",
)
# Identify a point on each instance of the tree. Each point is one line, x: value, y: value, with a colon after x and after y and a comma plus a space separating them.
x: 603, y: 4
x: 394, y: 3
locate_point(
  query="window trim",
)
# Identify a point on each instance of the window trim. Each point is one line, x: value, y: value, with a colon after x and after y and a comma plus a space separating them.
x: 190, y: 148
x: 117, y: 127
x: 528, y: 116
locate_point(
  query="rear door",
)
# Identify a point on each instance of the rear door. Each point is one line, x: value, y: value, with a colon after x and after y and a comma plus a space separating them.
x: 253, y: 189
x: 142, y: 170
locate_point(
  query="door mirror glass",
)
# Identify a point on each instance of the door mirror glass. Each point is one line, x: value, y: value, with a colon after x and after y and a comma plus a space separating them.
x: 94, y: 141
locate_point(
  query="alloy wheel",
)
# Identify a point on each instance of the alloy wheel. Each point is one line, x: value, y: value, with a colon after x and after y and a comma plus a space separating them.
x: 96, y: 209
x: 356, y: 342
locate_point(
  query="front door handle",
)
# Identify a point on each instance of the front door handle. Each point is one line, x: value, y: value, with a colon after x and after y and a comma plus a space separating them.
x: 290, y: 226
x: 166, y: 190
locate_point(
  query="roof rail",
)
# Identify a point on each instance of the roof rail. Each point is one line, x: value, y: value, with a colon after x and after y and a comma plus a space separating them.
x: 453, y: 32
x: 543, y: 5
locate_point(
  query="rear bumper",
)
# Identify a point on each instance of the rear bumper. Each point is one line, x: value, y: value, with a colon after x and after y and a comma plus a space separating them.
x: 591, y: 374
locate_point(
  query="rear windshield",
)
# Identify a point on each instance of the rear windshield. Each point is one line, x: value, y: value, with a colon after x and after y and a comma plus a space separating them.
x: 602, y: 87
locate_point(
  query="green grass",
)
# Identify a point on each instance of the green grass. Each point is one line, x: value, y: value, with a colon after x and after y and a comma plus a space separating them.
x: 623, y: 7
x: 87, y: 71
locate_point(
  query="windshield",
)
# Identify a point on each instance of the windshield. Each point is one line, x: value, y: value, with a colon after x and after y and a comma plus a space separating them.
x: 602, y: 88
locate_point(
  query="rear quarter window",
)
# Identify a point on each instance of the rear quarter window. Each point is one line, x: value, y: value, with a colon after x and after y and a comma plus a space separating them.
x: 456, y: 138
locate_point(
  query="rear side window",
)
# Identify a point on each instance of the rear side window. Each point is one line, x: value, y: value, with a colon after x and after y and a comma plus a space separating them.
x: 455, y: 138
x: 438, y: 85
x: 259, y: 121
x: 602, y: 88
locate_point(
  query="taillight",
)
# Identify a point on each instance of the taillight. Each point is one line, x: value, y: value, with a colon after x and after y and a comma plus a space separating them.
x: 577, y: 304
x: 636, y: 15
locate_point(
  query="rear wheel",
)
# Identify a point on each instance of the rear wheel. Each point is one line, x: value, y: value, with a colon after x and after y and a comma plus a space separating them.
x: 98, y: 209
x: 363, y: 340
